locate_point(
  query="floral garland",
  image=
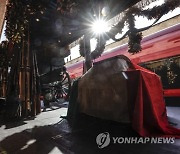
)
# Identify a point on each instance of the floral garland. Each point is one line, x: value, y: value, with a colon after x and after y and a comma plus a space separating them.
x: 135, y: 35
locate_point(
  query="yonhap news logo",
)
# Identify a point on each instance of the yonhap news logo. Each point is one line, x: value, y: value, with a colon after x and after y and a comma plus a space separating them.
x: 104, y: 139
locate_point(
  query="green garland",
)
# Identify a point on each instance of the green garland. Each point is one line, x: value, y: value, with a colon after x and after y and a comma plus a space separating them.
x: 19, y: 13
x: 99, y: 48
x: 18, y: 18
x: 135, y: 35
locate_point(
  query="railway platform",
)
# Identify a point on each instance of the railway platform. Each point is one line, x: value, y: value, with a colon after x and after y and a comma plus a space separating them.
x: 47, y: 133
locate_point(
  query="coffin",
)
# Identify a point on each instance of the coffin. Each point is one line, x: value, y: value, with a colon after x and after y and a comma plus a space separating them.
x: 103, y: 90
x: 116, y: 89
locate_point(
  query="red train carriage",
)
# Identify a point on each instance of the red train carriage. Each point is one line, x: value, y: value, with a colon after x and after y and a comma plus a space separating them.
x: 160, y: 53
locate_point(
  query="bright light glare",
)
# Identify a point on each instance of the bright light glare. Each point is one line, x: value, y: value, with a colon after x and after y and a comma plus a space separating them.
x: 100, y: 26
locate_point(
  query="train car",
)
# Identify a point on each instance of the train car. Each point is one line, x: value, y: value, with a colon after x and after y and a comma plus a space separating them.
x: 160, y: 53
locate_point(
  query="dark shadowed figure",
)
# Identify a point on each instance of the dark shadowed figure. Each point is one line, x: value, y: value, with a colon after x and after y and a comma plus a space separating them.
x: 13, y: 106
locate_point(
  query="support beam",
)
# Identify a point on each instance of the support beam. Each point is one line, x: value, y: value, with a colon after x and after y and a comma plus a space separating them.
x: 87, y: 50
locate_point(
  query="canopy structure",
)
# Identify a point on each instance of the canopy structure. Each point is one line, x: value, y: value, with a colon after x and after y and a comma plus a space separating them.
x: 53, y: 24
x: 58, y: 18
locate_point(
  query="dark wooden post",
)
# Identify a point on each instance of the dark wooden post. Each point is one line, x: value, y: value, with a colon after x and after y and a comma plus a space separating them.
x: 3, y: 74
x: 27, y: 75
x: 35, y: 92
x: 22, y: 81
x: 4, y: 81
x: 37, y: 86
x: 87, y: 48
x: 24, y: 76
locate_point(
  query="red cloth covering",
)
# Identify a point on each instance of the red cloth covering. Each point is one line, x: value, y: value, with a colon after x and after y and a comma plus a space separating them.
x: 146, y: 104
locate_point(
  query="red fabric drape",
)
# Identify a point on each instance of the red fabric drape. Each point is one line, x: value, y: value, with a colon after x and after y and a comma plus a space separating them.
x: 147, y: 106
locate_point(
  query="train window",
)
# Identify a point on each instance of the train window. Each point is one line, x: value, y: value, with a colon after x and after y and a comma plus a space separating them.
x: 168, y: 70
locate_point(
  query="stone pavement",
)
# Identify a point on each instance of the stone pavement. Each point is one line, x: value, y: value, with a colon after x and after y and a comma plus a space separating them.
x: 48, y: 133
